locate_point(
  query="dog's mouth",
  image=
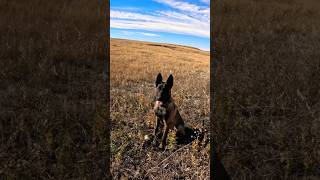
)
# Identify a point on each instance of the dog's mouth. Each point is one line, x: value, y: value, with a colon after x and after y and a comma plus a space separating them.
x: 159, y: 109
x: 158, y: 103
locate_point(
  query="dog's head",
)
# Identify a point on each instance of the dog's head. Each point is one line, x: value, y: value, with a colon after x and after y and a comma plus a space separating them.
x: 163, y: 89
x: 163, y: 93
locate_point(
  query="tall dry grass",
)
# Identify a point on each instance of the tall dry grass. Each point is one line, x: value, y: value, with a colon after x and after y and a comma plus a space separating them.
x: 51, y: 113
x: 267, y: 119
x: 134, y: 67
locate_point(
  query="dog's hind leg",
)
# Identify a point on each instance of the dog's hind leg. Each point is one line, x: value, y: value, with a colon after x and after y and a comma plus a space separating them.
x: 180, y: 124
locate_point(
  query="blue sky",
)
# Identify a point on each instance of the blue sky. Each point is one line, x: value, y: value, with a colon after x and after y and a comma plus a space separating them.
x: 185, y: 22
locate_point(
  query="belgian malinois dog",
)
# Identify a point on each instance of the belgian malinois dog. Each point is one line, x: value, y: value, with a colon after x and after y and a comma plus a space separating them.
x: 166, y: 111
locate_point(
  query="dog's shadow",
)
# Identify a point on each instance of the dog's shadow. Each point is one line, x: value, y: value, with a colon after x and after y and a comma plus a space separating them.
x: 190, y: 135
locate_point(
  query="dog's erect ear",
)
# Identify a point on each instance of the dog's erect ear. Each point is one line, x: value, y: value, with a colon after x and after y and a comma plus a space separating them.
x: 159, y: 79
x: 170, y: 81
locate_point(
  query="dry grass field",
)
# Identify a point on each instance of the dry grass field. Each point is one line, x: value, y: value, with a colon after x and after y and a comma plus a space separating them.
x: 134, y: 67
x: 52, y: 119
x: 267, y: 120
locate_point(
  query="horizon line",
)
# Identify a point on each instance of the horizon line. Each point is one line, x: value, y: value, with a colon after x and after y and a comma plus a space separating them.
x: 206, y: 50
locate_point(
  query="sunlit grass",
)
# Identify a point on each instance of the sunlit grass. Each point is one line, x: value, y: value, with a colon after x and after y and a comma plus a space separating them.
x: 134, y: 67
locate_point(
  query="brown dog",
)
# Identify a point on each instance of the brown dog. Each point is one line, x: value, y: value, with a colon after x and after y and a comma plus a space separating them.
x: 166, y: 111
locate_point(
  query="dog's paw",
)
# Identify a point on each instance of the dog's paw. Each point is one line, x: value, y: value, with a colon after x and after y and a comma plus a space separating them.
x: 154, y: 144
x: 163, y: 148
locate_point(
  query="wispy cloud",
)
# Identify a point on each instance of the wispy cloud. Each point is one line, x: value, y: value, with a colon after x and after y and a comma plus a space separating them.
x: 150, y: 34
x: 185, y: 6
x: 162, y: 21
x: 183, y: 18
x: 127, y: 33
x: 131, y: 33
x: 125, y: 8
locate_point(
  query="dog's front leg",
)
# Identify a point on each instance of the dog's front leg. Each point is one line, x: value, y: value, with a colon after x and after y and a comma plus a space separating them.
x: 164, y: 136
x: 155, y: 132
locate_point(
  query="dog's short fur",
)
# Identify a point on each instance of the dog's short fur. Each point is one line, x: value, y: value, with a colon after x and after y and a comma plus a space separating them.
x: 166, y: 110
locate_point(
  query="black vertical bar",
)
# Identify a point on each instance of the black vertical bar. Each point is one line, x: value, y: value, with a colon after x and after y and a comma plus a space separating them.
x: 105, y: 9
x: 217, y: 170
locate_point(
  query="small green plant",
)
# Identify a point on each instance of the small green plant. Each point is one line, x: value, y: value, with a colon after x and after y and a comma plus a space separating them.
x: 171, y: 140
x: 118, y: 156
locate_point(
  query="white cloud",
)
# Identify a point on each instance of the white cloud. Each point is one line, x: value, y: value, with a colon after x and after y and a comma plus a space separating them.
x: 131, y: 33
x: 184, y: 18
x: 115, y: 14
x: 150, y: 34
x: 127, y: 33
x: 185, y: 6
x: 163, y: 21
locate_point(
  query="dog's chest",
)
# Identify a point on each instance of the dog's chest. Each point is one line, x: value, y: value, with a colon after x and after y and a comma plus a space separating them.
x: 170, y: 115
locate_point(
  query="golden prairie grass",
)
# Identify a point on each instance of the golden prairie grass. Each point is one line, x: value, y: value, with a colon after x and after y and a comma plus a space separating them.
x: 266, y: 123
x: 134, y: 67
x: 51, y: 115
